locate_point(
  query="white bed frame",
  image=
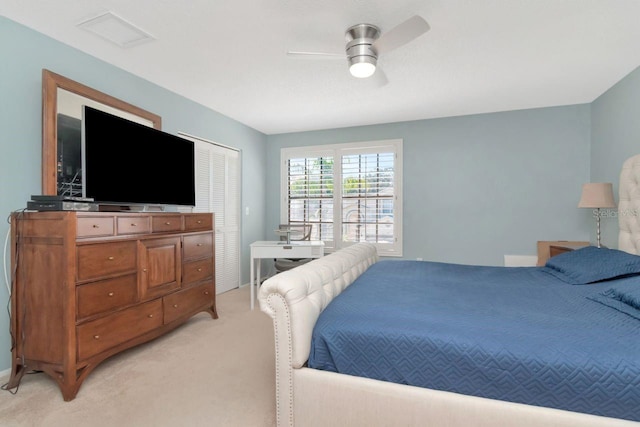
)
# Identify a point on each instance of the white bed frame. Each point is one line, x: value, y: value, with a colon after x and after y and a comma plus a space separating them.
x: 308, y: 397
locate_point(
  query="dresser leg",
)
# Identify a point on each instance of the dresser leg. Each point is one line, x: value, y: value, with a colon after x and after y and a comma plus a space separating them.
x: 17, y: 372
x: 212, y: 311
x: 69, y: 383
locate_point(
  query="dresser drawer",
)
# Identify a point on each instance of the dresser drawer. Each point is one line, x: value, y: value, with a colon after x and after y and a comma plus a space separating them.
x: 106, y: 295
x: 133, y: 224
x: 198, y: 222
x: 105, y: 259
x: 166, y: 223
x: 197, y: 270
x: 93, y: 226
x: 198, y: 246
x: 102, y: 334
x: 187, y: 302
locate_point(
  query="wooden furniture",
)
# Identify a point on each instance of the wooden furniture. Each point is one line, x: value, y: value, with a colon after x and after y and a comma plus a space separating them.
x: 562, y: 248
x: 88, y: 285
x: 279, y: 249
x: 544, y: 248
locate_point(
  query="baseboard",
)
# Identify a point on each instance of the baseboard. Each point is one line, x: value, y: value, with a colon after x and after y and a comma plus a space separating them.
x: 3, y: 374
x: 244, y: 285
x: 262, y: 279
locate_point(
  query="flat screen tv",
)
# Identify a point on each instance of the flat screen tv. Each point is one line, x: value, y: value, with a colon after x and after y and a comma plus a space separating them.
x: 127, y: 163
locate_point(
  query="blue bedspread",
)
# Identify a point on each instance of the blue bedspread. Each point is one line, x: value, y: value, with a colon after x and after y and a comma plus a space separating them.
x: 514, y: 334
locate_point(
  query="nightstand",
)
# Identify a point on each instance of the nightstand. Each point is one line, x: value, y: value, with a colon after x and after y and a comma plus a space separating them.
x: 544, y: 248
x: 563, y: 248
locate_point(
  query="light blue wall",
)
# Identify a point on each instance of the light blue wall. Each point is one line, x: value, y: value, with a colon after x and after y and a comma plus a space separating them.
x: 476, y: 187
x: 615, y: 136
x: 23, y: 55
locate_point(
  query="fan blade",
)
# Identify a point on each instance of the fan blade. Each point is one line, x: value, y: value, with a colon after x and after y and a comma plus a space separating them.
x: 401, y: 34
x: 380, y: 78
x: 323, y: 55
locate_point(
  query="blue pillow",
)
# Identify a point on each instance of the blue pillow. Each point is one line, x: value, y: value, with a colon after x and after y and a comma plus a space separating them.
x: 624, y: 297
x: 592, y: 264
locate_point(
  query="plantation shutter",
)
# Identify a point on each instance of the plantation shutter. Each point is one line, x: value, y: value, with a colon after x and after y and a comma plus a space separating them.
x: 368, y: 197
x: 350, y: 192
x: 310, y: 194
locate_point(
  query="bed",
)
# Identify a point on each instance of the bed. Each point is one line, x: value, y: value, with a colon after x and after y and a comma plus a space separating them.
x: 472, y: 345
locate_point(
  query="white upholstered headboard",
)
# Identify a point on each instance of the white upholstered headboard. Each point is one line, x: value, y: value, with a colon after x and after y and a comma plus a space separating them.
x: 629, y: 206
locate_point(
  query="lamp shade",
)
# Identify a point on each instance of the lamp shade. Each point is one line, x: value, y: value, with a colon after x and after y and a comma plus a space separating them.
x: 597, y: 195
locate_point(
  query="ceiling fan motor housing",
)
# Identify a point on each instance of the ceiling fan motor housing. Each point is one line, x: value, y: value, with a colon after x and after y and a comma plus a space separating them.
x: 359, y: 40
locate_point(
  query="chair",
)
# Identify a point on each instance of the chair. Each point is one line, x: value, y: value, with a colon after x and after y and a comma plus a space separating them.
x: 293, y: 232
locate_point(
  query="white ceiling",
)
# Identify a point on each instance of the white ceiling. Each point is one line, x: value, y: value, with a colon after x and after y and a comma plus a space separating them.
x: 479, y: 56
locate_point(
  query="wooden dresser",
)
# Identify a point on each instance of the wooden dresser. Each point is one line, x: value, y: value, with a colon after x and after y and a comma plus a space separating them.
x: 88, y: 285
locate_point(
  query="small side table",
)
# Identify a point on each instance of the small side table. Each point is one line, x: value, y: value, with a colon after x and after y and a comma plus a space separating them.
x: 563, y: 248
x: 544, y: 248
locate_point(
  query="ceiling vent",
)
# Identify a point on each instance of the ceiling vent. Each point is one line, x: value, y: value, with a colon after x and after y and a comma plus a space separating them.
x: 111, y: 27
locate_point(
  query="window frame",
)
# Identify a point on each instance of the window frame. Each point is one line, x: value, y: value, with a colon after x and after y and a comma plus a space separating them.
x: 337, y: 151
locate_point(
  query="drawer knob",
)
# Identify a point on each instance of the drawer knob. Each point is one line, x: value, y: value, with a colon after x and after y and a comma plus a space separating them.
x: 96, y: 226
x: 206, y: 292
x: 199, y: 269
x: 133, y: 224
x: 198, y: 244
x: 144, y: 270
x: 110, y: 258
x: 199, y: 222
x: 175, y: 305
x: 96, y: 337
x: 110, y: 294
x: 150, y: 316
x: 167, y: 223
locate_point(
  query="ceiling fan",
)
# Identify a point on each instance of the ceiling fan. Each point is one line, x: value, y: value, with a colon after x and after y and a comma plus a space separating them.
x: 365, y: 42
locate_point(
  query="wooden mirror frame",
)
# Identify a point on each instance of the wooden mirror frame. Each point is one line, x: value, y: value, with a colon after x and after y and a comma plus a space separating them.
x: 51, y: 82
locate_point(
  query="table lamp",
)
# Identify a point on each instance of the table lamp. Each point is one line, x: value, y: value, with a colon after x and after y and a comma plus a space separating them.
x: 597, y: 195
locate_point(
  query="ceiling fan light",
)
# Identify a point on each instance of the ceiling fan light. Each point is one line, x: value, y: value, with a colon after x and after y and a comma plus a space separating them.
x: 362, y: 66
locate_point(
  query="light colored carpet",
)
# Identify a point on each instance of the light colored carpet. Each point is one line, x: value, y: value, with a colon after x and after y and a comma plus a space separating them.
x: 205, y: 373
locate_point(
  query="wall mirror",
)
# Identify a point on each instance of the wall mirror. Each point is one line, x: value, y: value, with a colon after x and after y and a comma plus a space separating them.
x: 62, y: 101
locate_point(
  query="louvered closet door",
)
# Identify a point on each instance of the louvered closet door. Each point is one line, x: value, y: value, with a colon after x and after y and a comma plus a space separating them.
x: 218, y: 191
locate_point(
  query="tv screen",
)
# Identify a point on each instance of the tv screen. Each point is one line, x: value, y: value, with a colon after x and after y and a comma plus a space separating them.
x: 124, y: 162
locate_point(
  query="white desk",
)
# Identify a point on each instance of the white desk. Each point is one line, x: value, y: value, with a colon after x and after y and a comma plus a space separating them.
x: 279, y: 249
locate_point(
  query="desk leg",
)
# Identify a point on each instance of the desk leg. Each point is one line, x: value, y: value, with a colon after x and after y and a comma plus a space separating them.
x: 258, y: 277
x: 251, y: 277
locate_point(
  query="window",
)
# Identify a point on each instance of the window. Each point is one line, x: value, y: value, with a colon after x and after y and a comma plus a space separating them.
x: 310, y: 194
x: 349, y: 193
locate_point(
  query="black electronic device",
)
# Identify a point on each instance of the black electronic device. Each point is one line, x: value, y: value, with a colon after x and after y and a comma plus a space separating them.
x: 61, y: 205
x: 127, y: 163
x: 60, y: 197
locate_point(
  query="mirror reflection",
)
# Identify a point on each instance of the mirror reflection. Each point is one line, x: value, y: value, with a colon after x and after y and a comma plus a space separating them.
x: 69, y: 138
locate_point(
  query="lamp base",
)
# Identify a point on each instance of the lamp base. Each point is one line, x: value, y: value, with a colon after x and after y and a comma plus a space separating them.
x: 598, y: 226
